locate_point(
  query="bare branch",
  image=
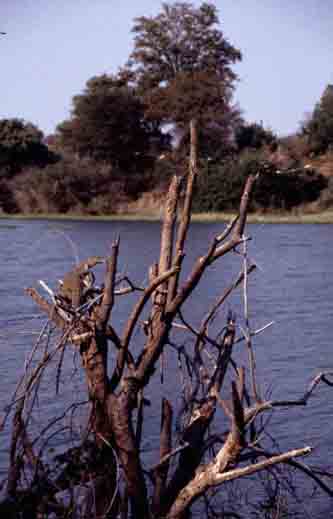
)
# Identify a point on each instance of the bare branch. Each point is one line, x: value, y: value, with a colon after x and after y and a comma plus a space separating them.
x: 214, y: 252
x: 231, y: 225
x: 302, y: 467
x: 108, y: 296
x: 236, y: 237
x: 187, y: 208
x: 132, y: 321
x: 167, y: 237
x: 321, y: 377
x: 224, y: 358
x: 167, y: 457
x: 161, y: 470
x: 251, y: 469
x: 247, y: 334
x: 168, y: 228
x: 211, y: 475
x: 141, y: 303
x: 51, y: 310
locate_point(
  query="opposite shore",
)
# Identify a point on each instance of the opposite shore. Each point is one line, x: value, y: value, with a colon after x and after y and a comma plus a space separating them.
x: 323, y: 217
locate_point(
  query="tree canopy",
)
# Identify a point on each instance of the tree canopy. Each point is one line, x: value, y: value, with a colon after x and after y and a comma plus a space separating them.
x: 108, y: 124
x: 254, y: 135
x: 21, y: 145
x: 319, y: 128
x: 182, y: 63
x: 180, y: 69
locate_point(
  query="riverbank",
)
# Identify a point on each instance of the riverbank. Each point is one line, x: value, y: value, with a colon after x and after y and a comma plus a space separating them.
x: 324, y: 217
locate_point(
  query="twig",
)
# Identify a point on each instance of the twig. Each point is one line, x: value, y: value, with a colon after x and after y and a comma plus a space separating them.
x: 116, y: 490
x: 254, y: 332
x: 302, y: 467
x: 47, y: 289
x: 167, y: 457
x: 247, y: 334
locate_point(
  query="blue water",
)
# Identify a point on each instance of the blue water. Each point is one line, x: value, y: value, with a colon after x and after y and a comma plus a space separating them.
x: 292, y: 286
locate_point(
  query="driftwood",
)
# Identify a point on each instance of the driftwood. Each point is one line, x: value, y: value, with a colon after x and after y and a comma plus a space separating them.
x: 187, y: 466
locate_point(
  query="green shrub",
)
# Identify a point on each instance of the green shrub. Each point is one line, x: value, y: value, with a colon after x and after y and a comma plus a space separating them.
x: 7, y: 200
x: 220, y: 186
x: 319, y: 128
x: 326, y: 197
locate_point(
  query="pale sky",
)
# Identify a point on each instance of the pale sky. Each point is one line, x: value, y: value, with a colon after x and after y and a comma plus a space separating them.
x: 52, y: 47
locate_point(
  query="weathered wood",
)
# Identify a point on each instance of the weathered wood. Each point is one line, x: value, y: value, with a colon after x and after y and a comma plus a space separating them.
x: 187, y: 207
x: 161, y: 472
x: 120, y: 413
x: 107, y: 302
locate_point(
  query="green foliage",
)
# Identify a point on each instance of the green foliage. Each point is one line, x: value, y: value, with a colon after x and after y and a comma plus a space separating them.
x: 292, y: 150
x: 289, y: 189
x: 319, y: 128
x: 21, y: 145
x: 254, y: 136
x: 220, y: 187
x: 326, y: 196
x: 168, y: 165
x: 215, y: 139
x: 182, y: 63
x: 181, y: 39
x: 108, y: 124
x: 7, y: 198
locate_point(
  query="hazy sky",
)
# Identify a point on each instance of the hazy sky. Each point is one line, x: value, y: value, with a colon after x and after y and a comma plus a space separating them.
x: 53, y: 47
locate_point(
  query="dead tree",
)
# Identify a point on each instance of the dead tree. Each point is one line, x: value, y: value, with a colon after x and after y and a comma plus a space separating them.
x: 189, y: 463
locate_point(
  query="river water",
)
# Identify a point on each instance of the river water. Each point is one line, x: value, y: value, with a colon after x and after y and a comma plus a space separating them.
x: 292, y: 286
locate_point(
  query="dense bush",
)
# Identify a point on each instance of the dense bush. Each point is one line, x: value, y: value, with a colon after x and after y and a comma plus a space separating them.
x: 21, y: 146
x: 220, y: 186
x: 87, y: 187
x: 7, y: 199
x: 292, y: 150
x: 326, y: 198
x: 285, y: 190
x: 319, y: 128
x: 254, y: 136
x: 76, y: 186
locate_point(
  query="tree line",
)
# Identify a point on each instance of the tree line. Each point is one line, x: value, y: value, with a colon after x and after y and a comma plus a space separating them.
x: 129, y: 132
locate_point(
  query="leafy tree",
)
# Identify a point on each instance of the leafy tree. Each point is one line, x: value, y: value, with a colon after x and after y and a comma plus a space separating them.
x: 7, y: 198
x: 319, y: 128
x: 182, y: 64
x: 288, y: 189
x: 108, y: 124
x: 255, y: 136
x: 21, y: 145
x: 292, y: 149
x: 215, y: 138
x: 274, y: 190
